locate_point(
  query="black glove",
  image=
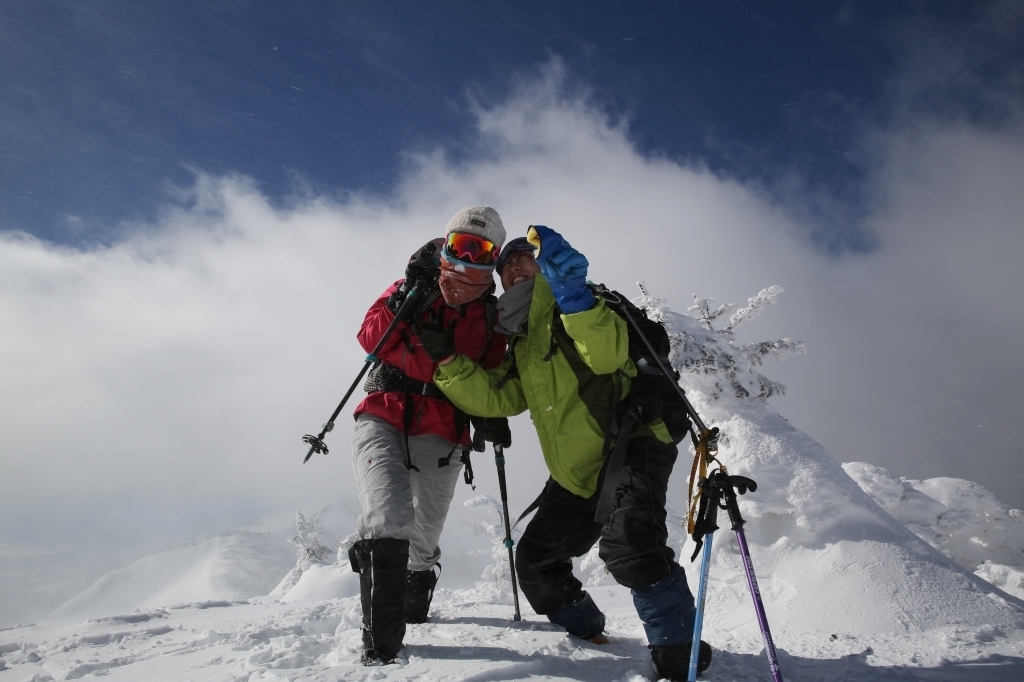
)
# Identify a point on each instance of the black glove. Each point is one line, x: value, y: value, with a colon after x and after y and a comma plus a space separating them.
x: 423, y: 269
x: 437, y: 341
x: 492, y: 430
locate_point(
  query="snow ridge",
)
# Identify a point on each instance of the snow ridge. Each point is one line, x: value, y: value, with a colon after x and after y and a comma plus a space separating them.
x: 222, y: 569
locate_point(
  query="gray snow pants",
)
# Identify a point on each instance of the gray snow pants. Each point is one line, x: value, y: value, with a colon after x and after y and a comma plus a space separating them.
x: 403, y: 503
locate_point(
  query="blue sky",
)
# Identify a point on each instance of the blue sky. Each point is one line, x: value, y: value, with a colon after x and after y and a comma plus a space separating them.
x: 192, y: 224
x: 105, y: 105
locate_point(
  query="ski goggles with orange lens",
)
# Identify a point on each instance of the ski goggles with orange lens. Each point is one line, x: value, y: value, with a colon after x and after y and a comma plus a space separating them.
x: 470, y: 248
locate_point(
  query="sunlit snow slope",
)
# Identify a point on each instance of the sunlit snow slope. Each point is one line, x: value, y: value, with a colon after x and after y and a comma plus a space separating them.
x: 225, y: 568
x: 961, y: 519
x: 830, y: 560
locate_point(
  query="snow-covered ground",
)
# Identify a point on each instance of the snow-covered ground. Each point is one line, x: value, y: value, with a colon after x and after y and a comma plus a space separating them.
x: 864, y: 577
x: 469, y: 638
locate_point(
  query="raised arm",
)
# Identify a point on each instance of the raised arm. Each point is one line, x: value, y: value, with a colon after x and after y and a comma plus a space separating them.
x: 601, y: 337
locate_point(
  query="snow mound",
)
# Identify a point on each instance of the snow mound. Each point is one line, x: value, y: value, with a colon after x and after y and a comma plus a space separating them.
x: 827, y: 557
x: 317, y: 582
x: 830, y: 561
x: 961, y: 519
x: 222, y: 569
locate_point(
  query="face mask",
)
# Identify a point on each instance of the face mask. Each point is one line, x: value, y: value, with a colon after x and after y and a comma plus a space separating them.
x: 464, y: 282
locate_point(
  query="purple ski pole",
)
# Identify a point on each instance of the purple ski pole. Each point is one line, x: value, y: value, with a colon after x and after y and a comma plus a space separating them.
x: 755, y: 593
x: 748, y: 566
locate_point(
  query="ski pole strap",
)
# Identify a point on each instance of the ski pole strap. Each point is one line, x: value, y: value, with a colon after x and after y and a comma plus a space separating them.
x: 698, y: 472
x: 529, y: 510
x: 408, y: 414
x: 707, y: 516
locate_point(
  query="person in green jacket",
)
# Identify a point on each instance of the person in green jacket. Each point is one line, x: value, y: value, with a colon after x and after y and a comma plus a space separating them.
x: 569, y: 365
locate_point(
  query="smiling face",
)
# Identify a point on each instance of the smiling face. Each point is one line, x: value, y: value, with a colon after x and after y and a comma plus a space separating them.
x: 520, y: 267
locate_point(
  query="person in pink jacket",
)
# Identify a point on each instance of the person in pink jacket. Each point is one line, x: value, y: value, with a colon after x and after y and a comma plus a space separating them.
x: 410, y: 442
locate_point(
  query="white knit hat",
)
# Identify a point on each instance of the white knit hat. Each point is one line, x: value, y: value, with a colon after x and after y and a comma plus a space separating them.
x: 482, y: 221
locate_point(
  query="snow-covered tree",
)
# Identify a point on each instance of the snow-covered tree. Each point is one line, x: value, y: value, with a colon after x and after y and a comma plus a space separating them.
x: 307, y: 539
x: 710, y: 359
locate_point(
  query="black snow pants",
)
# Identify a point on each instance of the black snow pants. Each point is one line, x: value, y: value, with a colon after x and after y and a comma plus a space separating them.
x: 633, y: 542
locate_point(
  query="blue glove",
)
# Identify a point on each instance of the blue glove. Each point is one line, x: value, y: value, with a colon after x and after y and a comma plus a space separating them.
x: 564, y: 268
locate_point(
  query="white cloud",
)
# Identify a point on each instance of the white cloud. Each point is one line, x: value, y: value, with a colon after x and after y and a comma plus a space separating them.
x: 917, y: 345
x: 185, y: 362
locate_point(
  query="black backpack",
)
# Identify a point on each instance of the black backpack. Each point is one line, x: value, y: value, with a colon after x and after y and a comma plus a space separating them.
x: 651, y: 394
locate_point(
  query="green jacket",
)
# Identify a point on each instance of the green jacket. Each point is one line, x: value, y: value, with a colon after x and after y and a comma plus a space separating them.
x: 570, y: 416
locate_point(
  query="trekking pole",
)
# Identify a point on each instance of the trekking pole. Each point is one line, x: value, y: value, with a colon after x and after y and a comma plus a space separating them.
x: 702, y: 596
x: 316, y: 443
x: 727, y: 485
x: 708, y: 523
x: 499, y: 460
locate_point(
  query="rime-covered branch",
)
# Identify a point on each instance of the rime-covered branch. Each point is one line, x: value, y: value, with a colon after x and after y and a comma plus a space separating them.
x: 756, y: 352
x: 708, y: 358
x: 755, y: 306
x: 498, y: 574
x: 703, y: 306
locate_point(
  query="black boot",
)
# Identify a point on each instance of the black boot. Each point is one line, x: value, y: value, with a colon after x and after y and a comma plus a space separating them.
x: 673, y: 660
x: 420, y: 592
x: 381, y: 564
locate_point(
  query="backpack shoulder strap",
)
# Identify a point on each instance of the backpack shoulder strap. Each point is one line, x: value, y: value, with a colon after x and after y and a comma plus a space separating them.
x: 513, y: 369
x: 557, y: 333
x: 490, y: 319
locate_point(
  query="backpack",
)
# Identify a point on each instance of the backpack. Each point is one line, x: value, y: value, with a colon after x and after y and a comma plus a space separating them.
x: 651, y: 394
